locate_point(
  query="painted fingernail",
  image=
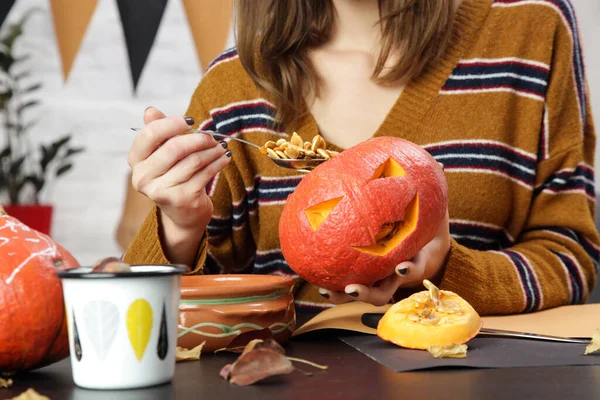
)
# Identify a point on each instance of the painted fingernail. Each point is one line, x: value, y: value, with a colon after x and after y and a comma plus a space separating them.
x: 228, y: 153
x: 353, y: 293
x: 324, y: 293
x: 223, y: 143
x: 190, y: 121
x: 402, y: 271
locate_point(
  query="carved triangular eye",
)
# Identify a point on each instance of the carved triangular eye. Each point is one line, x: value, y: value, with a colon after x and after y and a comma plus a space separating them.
x: 319, y: 212
x: 389, y: 169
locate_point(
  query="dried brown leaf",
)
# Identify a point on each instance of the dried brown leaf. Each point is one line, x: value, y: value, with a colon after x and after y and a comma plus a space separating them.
x: 183, y: 354
x: 238, y: 343
x: 448, y: 351
x: 30, y: 394
x: 594, y: 344
x: 5, y: 383
x: 312, y: 364
x: 257, y: 365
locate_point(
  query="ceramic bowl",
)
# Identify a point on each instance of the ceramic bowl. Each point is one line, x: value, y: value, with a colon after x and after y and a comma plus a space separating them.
x: 122, y: 326
x: 216, y: 308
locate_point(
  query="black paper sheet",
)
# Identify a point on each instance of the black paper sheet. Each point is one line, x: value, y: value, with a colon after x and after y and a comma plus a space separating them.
x: 481, y: 353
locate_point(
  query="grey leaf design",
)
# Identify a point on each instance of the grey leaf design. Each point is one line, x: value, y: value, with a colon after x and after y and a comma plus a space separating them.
x: 101, y: 322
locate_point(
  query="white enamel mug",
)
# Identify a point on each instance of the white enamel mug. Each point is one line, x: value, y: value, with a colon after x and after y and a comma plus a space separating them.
x: 122, y: 326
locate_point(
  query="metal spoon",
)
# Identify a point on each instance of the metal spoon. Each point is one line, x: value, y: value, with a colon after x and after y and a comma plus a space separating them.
x: 298, y: 164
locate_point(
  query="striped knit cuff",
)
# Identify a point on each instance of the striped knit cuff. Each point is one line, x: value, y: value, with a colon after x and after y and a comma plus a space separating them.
x: 458, y: 273
x: 146, y: 247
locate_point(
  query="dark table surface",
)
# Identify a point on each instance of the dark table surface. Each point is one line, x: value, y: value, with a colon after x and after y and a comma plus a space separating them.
x: 351, y: 375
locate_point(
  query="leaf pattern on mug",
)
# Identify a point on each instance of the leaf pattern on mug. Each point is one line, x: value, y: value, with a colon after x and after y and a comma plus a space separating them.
x: 139, y: 326
x: 76, y: 341
x: 101, y: 322
x: 163, y: 338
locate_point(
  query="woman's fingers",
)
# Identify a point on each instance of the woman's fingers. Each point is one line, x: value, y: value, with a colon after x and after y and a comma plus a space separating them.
x: 171, y: 153
x: 196, y: 170
x: 152, y: 114
x: 335, y: 297
x: 154, y: 134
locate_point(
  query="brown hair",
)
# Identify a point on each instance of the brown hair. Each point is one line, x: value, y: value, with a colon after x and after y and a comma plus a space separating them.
x: 274, y: 36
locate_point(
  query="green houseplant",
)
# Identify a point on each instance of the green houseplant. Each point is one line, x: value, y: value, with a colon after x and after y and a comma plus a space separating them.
x: 25, y: 170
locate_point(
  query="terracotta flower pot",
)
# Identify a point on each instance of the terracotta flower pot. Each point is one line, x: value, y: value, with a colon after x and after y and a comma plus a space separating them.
x: 35, y: 216
x: 216, y: 308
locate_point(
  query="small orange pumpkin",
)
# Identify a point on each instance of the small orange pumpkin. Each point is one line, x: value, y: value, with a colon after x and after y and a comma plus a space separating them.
x: 354, y: 218
x: 33, y: 330
x: 430, y: 317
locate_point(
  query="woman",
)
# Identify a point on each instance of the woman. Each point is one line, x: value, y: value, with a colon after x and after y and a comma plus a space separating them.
x: 494, y: 90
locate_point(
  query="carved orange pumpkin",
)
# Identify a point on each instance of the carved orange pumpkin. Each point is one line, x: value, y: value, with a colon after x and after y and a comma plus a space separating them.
x: 429, y: 318
x: 33, y: 331
x: 358, y: 215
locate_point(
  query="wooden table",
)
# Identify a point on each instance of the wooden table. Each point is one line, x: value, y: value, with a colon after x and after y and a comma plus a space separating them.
x: 351, y: 375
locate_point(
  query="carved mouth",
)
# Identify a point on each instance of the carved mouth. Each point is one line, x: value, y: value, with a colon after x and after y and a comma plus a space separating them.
x: 392, y: 234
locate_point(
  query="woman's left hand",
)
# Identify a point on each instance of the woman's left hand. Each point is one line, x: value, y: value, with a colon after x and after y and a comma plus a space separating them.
x: 427, y: 264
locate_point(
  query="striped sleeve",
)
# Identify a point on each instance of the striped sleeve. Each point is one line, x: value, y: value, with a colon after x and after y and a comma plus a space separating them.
x: 554, y: 260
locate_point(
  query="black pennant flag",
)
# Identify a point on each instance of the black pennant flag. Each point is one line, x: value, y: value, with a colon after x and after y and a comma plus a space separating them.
x: 140, y: 19
x: 5, y: 6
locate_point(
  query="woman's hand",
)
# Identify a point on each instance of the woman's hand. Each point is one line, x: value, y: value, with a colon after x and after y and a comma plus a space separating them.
x: 427, y: 264
x: 173, y: 170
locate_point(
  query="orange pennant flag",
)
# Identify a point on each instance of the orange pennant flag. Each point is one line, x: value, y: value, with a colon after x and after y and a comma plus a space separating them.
x: 209, y: 21
x: 71, y: 19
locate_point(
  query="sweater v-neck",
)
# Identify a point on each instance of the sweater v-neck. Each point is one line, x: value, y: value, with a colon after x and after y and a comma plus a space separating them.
x: 408, y: 110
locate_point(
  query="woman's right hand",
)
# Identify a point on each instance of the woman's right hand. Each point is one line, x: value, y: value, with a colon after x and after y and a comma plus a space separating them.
x: 173, y: 170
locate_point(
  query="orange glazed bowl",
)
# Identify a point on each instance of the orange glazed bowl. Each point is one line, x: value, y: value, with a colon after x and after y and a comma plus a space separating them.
x: 214, y: 309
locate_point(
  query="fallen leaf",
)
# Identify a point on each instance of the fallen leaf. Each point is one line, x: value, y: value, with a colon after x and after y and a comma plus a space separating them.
x: 30, y: 394
x: 5, y: 383
x: 448, y: 351
x: 258, y: 364
x: 594, y: 344
x: 183, y: 354
x: 239, y: 342
x: 312, y: 364
x: 261, y: 359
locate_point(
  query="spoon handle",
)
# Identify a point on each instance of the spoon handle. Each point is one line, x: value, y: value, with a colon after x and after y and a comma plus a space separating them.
x: 214, y: 134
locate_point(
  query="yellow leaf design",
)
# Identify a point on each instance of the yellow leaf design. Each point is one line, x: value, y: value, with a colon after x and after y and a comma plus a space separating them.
x: 139, y: 326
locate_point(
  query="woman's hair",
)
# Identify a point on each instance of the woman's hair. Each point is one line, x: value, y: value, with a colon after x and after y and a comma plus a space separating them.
x: 274, y: 36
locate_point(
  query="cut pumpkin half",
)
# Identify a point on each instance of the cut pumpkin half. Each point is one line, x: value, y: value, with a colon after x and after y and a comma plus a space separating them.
x: 430, y: 317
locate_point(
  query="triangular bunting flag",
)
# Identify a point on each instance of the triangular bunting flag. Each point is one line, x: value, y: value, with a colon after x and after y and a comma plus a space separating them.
x: 209, y: 21
x: 71, y: 19
x: 5, y: 6
x: 140, y: 19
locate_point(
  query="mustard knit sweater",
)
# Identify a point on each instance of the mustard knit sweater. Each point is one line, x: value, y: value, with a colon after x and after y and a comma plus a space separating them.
x: 506, y: 110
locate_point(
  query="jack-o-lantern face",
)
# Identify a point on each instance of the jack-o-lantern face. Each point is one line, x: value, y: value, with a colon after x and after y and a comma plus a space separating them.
x: 357, y: 216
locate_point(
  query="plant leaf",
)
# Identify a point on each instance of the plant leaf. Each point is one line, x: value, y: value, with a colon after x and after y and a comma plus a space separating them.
x: 594, y: 344
x: 22, y: 75
x: 183, y: 354
x: 5, y: 153
x: 30, y: 394
x: 32, y: 88
x: 5, y: 383
x: 29, y: 104
x: 61, y: 142
x: 15, y: 167
x: 239, y: 342
x: 74, y: 150
x: 60, y: 171
x: 257, y: 365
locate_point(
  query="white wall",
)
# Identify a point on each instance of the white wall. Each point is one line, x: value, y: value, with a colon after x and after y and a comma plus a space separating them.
x: 97, y: 105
